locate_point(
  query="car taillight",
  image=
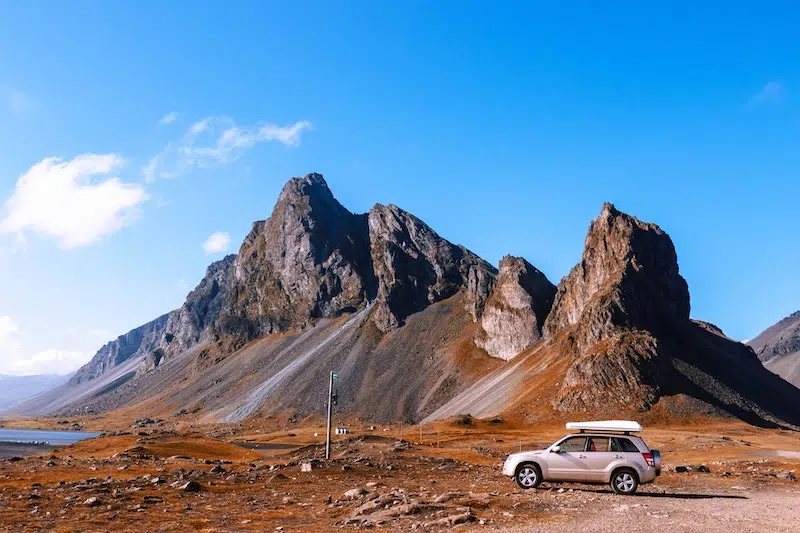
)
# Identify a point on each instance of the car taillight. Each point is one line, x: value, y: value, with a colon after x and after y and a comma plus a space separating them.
x: 649, y: 459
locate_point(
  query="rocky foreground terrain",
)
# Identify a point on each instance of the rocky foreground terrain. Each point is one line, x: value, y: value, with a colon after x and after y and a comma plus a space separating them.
x: 163, y: 476
x: 419, y: 328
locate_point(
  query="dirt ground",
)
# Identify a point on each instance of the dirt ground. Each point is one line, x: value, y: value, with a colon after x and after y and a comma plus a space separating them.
x: 250, y: 477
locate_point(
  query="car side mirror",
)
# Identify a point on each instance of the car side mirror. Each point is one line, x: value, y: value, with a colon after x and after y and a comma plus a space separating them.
x: 555, y: 449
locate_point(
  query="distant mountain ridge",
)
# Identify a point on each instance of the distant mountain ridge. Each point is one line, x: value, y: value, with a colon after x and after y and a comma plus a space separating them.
x: 15, y: 389
x: 778, y: 347
x: 420, y: 328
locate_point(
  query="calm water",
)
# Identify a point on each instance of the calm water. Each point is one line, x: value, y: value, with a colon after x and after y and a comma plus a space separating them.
x: 56, y: 438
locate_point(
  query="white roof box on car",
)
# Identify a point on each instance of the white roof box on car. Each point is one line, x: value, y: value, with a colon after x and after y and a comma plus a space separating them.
x: 623, y: 426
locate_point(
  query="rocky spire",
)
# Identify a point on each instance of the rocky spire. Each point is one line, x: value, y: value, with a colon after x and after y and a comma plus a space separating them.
x: 516, y: 309
x: 612, y: 307
x: 627, y: 277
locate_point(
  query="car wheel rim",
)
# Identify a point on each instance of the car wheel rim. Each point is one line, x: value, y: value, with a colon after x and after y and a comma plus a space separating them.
x: 625, y: 482
x: 527, y: 476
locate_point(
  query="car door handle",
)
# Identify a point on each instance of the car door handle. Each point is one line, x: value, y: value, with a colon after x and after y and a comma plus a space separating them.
x: 617, y: 457
x: 581, y: 457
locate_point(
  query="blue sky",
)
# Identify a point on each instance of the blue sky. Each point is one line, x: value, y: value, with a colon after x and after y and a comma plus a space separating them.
x: 503, y: 127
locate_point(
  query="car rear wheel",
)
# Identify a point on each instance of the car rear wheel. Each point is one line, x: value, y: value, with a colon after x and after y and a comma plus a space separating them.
x: 528, y: 476
x: 624, y: 481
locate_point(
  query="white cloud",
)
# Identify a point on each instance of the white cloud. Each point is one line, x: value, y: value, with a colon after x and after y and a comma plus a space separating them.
x: 48, y: 362
x: 102, y: 334
x: 771, y: 92
x: 13, y: 359
x: 217, y: 242
x: 9, y: 336
x: 169, y: 118
x: 64, y: 200
x: 17, y: 101
x: 215, y: 141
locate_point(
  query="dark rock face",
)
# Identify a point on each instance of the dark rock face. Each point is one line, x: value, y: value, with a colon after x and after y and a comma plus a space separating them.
x: 516, y: 310
x: 415, y: 267
x: 628, y: 277
x: 308, y: 260
x: 190, y: 324
x: 139, y: 341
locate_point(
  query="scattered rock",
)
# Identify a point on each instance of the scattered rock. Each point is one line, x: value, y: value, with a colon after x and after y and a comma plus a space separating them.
x: 352, y: 494
x: 190, y: 486
x: 92, y: 501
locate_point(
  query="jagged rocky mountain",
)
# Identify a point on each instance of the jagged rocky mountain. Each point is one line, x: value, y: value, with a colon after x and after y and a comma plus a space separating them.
x: 778, y: 347
x: 619, y: 338
x: 420, y: 328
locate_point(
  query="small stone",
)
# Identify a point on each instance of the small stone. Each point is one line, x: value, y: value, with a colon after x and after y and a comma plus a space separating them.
x: 190, y: 486
x: 305, y: 467
x: 93, y: 501
x: 352, y: 494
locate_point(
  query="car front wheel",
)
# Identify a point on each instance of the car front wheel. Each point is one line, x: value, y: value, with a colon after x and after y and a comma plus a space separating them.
x: 528, y: 476
x: 624, y: 482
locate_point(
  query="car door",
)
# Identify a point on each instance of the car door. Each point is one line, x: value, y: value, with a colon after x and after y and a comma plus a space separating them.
x: 599, y: 455
x: 569, y: 463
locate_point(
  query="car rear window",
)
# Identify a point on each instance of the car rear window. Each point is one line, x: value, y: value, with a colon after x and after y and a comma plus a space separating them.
x: 618, y: 444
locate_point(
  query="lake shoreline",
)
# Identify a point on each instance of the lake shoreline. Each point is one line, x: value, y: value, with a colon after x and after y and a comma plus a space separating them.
x: 19, y: 449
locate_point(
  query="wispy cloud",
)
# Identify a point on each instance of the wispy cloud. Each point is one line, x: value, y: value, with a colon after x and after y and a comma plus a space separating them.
x: 169, y: 118
x: 64, y: 200
x: 216, y: 141
x: 14, y: 360
x: 771, y: 92
x: 16, y: 101
x: 217, y: 243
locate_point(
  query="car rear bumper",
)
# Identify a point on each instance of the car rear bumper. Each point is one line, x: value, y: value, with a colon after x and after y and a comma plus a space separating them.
x: 648, y: 475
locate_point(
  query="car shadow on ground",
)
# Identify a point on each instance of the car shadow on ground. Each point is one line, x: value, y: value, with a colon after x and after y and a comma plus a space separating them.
x: 677, y: 495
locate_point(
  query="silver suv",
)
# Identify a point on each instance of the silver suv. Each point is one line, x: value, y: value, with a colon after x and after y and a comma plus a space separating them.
x: 623, y: 460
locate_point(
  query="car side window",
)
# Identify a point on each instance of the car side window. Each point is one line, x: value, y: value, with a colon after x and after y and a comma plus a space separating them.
x: 597, y: 444
x: 573, y: 444
x: 623, y: 445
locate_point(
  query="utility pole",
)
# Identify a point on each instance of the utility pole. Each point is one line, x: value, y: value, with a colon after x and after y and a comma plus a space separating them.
x: 330, y: 408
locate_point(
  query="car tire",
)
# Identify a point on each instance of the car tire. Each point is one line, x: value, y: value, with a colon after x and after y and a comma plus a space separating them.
x: 528, y: 476
x: 624, y: 481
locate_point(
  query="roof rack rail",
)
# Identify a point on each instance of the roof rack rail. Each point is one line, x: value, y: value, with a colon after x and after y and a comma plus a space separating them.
x: 617, y: 426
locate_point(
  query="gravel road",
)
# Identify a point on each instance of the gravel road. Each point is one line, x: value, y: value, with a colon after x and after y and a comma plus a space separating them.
x: 769, y: 509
